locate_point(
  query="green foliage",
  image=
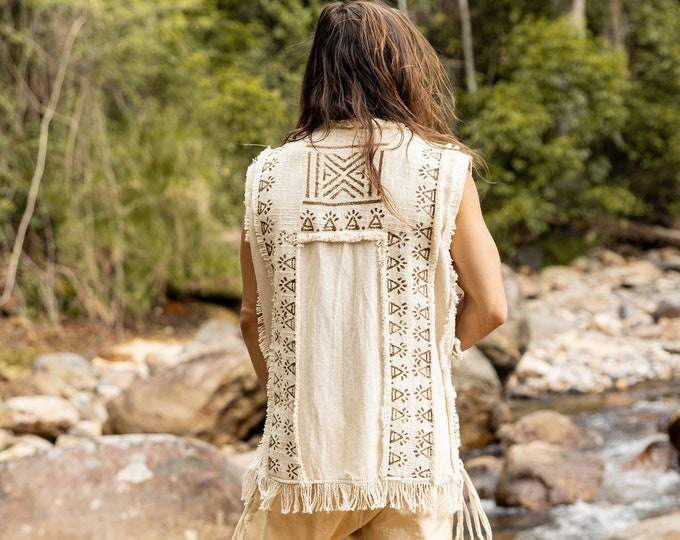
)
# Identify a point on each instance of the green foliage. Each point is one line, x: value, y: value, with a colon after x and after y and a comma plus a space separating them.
x: 653, y: 133
x: 545, y: 126
x: 163, y: 107
x: 164, y: 104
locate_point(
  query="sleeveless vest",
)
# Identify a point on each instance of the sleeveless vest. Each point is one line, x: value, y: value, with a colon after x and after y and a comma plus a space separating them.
x: 357, y: 311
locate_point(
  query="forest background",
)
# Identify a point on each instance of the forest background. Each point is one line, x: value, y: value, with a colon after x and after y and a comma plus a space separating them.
x: 126, y: 127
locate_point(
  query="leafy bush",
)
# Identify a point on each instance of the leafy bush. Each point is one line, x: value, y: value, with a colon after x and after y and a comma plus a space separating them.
x: 545, y: 128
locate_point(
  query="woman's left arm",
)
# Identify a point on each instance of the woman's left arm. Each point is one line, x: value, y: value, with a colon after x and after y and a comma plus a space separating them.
x: 248, y: 315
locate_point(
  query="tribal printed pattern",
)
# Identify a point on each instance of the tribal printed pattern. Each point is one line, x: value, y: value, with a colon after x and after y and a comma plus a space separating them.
x: 338, y: 197
x: 278, y: 252
x: 411, y: 439
x: 337, y: 178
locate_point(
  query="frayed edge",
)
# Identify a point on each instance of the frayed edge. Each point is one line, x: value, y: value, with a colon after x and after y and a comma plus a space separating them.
x: 472, y: 519
x: 252, y: 171
x: 262, y: 338
x: 347, y: 496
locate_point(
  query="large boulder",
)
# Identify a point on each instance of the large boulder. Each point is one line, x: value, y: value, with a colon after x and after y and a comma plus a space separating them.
x: 658, y: 528
x: 484, y: 471
x: 548, y: 426
x: 506, y: 345
x: 146, y: 487
x: 213, y: 395
x: 540, y: 475
x: 480, y: 403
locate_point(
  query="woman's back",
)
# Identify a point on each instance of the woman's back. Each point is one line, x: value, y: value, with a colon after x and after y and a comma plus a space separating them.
x: 362, y: 323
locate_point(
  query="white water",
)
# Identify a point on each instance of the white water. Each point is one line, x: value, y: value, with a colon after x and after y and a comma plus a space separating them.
x: 625, y: 496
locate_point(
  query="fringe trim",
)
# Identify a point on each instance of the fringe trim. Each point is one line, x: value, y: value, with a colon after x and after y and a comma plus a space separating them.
x: 472, y: 519
x: 348, y: 496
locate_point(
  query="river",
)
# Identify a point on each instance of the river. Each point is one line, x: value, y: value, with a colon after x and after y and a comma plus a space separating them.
x: 627, y: 423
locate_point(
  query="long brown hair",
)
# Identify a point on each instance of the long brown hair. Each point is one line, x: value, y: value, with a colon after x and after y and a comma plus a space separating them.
x: 369, y: 61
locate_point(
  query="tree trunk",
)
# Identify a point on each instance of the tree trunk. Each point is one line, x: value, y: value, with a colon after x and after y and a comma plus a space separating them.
x: 642, y: 233
x: 403, y: 6
x: 578, y: 16
x: 578, y: 8
x: 466, y: 27
x: 616, y: 27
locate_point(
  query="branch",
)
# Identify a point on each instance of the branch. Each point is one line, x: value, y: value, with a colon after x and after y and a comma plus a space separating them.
x: 10, y: 279
x: 656, y: 235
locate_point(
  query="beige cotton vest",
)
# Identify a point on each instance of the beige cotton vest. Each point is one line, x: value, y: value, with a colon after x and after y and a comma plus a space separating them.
x: 357, y: 311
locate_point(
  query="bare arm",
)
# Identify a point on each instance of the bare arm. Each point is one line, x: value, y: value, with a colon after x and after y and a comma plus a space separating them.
x: 478, y: 264
x: 248, y: 318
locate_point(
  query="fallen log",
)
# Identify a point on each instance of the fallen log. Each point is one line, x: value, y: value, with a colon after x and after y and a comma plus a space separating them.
x: 642, y: 233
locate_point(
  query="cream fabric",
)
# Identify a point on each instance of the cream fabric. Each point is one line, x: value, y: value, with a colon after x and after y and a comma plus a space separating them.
x: 378, y: 524
x: 357, y: 323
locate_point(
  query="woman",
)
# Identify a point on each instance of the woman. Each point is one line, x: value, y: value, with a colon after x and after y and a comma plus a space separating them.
x: 351, y: 308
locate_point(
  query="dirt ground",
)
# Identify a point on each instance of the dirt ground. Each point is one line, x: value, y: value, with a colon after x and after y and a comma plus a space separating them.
x: 22, y: 340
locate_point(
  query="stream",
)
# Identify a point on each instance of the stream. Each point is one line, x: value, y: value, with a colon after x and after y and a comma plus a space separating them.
x: 627, y: 422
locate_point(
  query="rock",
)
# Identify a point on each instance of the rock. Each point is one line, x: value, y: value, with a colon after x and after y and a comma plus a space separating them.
x: 610, y: 258
x: 90, y: 407
x: 37, y: 384
x: 559, y: 277
x: 669, y: 309
x: 25, y: 445
x: 658, y: 528
x: 506, y: 345
x: 7, y: 439
x: 672, y: 347
x: 674, y: 429
x: 540, y: 475
x: 638, y: 274
x: 56, y: 374
x: 544, y: 323
x: 214, y: 334
x: 586, y: 361
x: 548, y: 426
x: 115, y: 377
x: 607, y: 323
x: 46, y: 416
x: 671, y: 264
x: 529, y: 285
x: 87, y: 429
x: 214, y: 396
x: 480, y: 401
x: 146, y: 487
x: 484, y: 472
x: 138, y: 351
x: 658, y: 455
x: 71, y: 368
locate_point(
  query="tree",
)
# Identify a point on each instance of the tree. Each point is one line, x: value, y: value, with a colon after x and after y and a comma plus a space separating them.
x: 466, y: 30
x: 545, y: 128
x: 162, y: 108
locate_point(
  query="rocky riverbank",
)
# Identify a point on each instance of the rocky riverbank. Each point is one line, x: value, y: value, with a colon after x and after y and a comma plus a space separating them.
x: 602, y: 323
x: 149, y: 416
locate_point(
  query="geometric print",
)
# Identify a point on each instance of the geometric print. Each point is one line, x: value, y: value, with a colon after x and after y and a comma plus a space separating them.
x: 278, y: 246
x: 335, y: 180
x: 409, y: 276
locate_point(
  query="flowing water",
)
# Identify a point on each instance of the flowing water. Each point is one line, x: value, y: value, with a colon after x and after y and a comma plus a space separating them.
x: 627, y: 423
